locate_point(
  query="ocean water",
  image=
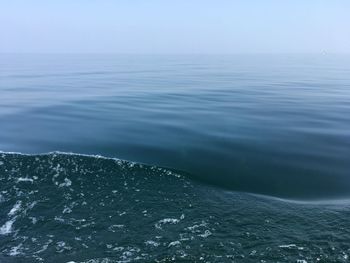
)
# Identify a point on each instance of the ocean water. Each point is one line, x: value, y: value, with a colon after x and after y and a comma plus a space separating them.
x: 111, y: 158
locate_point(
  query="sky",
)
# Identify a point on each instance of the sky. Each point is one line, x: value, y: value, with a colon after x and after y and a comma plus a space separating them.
x: 175, y: 27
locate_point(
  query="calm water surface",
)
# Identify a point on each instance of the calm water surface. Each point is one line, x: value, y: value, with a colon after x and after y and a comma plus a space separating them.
x: 229, y: 158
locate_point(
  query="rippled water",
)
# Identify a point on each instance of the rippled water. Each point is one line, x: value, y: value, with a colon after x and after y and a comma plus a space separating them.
x: 205, y: 136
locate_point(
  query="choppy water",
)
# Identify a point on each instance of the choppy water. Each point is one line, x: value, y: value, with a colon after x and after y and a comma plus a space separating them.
x: 205, y: 136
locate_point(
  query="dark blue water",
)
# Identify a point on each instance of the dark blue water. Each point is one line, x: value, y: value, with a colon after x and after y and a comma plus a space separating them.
x: 201, y: 135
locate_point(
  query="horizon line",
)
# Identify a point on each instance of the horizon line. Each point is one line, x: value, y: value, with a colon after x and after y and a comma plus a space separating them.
x: 174, y: 53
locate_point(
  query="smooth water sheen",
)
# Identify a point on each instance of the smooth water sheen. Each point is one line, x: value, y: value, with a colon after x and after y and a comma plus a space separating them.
x: 218, y: 147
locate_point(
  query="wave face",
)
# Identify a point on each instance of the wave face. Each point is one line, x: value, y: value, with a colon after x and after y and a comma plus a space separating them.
x: 60, y: 207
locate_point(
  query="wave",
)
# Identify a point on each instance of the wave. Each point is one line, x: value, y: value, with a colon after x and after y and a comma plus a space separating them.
x: 87, y: 208
x: 302, y: 195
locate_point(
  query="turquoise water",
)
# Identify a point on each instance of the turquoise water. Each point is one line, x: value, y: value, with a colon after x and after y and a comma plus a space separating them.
x: 227, y: 158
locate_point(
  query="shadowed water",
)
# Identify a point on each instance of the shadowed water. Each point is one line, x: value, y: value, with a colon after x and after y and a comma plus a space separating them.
x: 272, y: 125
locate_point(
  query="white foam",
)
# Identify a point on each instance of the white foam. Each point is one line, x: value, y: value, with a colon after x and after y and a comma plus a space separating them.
x: 128, y: 163
x: 66, y: 183
x: 44, y: 247
x: 152, y: 243
x: 15, y: 208
x: 291, y: 246
x: 169, y: 220
x: 25, y: 179
x: 7, y: 227
x: 194, y: 227
x: 287, y: 246
x: 174, y: 243
x: 62, y: 246
x: 32, y: 204
x: 61, y: 243
x: 16, y: 250
x: 166, y: 221
x: 206, y: 234
x: 67, y: 210
x: 59, y: 219
x: 113, y: 228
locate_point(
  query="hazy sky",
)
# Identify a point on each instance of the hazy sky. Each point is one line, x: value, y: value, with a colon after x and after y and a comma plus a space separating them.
x: 177, y: 26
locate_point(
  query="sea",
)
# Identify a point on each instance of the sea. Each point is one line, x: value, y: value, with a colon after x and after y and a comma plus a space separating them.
x: 174, y: 158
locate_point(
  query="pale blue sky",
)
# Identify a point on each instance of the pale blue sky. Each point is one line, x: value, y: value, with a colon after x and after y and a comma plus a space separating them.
x: 177, y: 26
